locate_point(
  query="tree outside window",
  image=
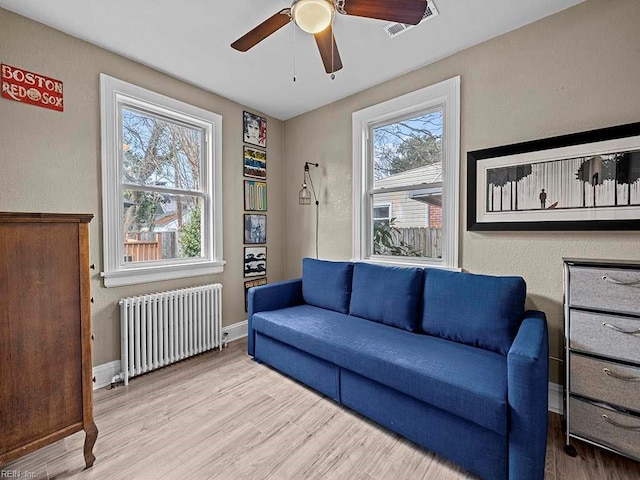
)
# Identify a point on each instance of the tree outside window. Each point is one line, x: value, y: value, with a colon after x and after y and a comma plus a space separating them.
x: 407, y: 155
x: 161, y: 187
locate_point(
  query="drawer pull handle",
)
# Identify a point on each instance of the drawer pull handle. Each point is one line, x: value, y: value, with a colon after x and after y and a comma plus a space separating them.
x: 621, y: 330
x: 606, y: 371
x: 619, y: 425
x: 620, y: 282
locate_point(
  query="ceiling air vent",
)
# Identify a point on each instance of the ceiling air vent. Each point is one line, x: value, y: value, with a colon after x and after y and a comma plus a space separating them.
x: 395, y: 29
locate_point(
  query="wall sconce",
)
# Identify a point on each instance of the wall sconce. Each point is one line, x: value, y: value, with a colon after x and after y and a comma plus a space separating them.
x: 304, y: 197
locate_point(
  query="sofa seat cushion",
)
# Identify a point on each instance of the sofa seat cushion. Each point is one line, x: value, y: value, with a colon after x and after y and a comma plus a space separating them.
x: 466, y: 381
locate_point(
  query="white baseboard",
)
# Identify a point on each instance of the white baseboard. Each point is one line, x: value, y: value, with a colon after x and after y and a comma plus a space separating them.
x: 555, y: 398
x: 236, y: 331
x: 104, y: 373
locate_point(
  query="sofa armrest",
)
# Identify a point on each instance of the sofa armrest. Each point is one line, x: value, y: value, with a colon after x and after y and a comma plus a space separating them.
x: 273, y: 296
x: 528, y: 385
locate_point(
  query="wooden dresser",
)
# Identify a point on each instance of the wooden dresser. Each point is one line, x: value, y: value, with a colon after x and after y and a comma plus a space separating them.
x: 45, y: 332
x: 602, y: 347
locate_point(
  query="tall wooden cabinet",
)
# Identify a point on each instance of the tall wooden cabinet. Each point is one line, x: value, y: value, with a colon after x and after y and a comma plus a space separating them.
x: 45, y: 332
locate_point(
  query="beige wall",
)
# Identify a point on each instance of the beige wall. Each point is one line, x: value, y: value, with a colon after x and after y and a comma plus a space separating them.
x: 574, y: 71
x: 50, y: 161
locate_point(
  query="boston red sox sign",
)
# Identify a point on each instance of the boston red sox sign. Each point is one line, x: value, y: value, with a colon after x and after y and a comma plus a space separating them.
x: 28, y: 87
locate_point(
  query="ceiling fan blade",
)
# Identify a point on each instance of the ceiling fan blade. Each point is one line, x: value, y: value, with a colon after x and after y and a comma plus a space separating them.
x: 401, y: 11
x: 327, y: 44
x: 262, y: 31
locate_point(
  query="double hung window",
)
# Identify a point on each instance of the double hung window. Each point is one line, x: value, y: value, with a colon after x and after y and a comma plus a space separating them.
x: 406, y: 163
x: 161, y: 186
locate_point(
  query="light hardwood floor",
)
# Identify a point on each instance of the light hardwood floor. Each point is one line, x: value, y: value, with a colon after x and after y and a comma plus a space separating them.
x: 223, y: 416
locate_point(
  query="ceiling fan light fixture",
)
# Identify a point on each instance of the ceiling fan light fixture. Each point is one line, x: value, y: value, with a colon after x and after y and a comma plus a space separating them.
x: 312, y: 16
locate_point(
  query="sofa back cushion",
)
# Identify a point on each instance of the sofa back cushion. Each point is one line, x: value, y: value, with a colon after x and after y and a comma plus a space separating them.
x: 480, y: 310
x: 389, y: 295
x: 327, y: 284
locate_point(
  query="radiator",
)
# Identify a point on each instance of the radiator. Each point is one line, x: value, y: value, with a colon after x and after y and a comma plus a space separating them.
x: 164, y: 328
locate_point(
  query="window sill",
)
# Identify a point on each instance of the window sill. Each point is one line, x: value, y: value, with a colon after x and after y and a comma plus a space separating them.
x: 159, y: 273
x: 406, y: 262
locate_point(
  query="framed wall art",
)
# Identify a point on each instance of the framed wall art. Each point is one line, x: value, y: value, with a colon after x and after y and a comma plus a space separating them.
x: 255, y: 163
x: 255, y: 228
x: 582, y: 181
x: 250, y: 284
x: 255, y: 261
x: 254, y: 129
x: 255, y: 196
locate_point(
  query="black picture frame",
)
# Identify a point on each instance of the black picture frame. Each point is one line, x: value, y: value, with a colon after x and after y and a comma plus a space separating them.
x: 255, y: 228
x: 255, y: 196
x: 255, y: 262
x: 255, y: 282
x: 609, y: 149
x: 254, y: 163
x: 254, y: 129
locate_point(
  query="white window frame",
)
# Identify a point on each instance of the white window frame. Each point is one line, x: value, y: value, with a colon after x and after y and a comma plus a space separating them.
x: 113, y: 94
x: 384, y: 204
x: 446, y: 94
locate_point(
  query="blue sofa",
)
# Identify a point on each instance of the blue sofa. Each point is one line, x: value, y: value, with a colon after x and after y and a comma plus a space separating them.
x: 449, y: 360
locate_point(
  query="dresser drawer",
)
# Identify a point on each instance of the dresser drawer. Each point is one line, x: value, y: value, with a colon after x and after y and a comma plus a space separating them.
x: 615, y: 430
x: 605, y: 335
x: 605, y: 381
x: 604, y: 288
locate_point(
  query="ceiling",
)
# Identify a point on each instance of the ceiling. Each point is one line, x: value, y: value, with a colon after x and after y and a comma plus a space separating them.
x: 190, y: 41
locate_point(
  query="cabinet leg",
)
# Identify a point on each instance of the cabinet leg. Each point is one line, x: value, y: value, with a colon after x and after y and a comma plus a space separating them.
x: 570, y: 450
x: 91, y: 435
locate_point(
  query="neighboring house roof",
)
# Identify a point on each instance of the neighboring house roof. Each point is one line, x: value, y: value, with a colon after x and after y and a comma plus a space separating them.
x: 430, y: 175
x: 162, y: 219
x: 426, y: 174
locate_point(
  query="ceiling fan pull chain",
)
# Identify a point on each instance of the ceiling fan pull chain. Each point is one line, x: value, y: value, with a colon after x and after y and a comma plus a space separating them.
x: 294, y: 52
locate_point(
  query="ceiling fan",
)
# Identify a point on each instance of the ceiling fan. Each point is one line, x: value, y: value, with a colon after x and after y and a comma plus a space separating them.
x: 316, y: 17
